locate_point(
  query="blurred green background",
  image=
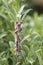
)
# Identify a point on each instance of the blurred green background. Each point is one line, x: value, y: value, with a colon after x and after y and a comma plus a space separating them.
x: 31, y: 35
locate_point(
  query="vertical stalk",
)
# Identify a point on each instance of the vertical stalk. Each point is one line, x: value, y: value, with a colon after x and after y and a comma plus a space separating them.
x: 17, y: 36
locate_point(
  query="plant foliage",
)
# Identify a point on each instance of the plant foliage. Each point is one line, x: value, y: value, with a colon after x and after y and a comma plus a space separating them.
x: 31, y: 35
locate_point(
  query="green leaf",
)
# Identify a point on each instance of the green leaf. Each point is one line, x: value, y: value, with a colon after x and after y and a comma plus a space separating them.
x: 25, y: 13
x: 2, y: 35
